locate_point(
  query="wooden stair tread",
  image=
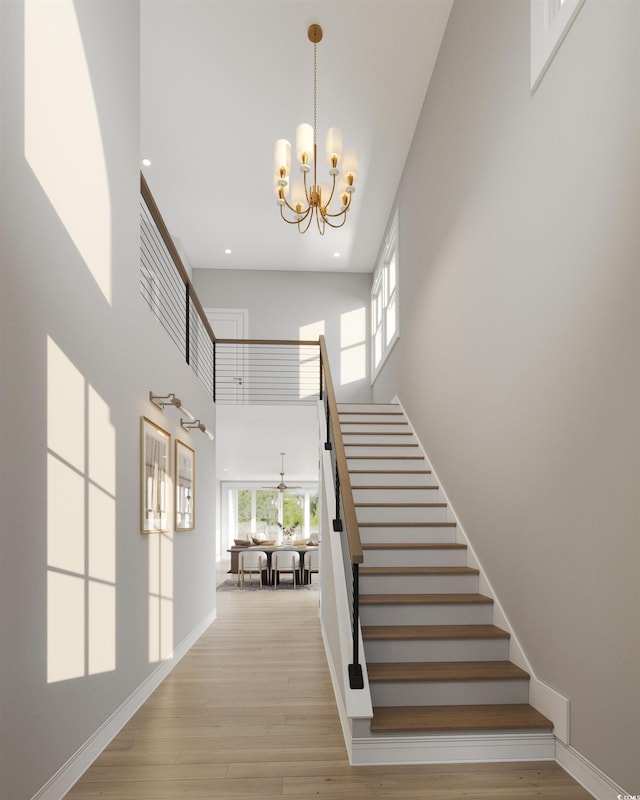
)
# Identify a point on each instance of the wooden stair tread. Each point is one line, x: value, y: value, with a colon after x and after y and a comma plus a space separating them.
x: 413, y: 546
x: 418, y: 571
x: 446, y: 671
x: 342, y: 411
x: 372, y: 422
x: 433, y: 632
x: 400, y: 504
x: 442, y: 719
x: 376, y: 433
x: 390, y: 486
x: 424, y: 599
x: 388, y: 458
x: 382, y: 444
x: 442, y: 524
x: 390, y: 472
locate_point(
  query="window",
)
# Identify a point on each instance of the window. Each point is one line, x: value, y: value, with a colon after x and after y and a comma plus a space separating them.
x: 550, y: 22
x: 384, y: 301
x: 250, y: 509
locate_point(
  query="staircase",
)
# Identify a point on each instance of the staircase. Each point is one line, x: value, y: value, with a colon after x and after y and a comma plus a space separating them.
x: 437, y: 665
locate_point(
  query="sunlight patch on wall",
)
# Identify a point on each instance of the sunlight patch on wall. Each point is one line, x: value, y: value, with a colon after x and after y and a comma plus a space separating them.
x: 313, y: 330
x: 353, y: 355
x: 81, y: 524
x: 160, y: 596
x: 62, y: 138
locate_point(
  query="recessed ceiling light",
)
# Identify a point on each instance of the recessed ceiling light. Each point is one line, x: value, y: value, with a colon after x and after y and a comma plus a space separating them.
x: 146, y: 162
x: 227, y: 251
x: 336, y: 255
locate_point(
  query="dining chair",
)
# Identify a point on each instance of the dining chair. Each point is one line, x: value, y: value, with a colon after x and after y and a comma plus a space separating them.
x: 251, y: 561
x: 311, y: 564
x: 285, y: 561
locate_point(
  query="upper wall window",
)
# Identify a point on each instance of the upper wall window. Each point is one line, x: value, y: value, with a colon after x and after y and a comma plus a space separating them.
x: 550, y: 22
x: 384, y: 301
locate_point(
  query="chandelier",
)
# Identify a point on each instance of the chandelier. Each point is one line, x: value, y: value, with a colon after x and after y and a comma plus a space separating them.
x: 304, y: 201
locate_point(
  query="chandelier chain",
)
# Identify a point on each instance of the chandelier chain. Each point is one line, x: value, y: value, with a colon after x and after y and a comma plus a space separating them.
x: 315, y: 80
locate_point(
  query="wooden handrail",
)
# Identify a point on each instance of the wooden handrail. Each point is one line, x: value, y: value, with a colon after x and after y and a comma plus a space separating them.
x: 151, y: 204
x: 269, y: 341
x: 351, y: 522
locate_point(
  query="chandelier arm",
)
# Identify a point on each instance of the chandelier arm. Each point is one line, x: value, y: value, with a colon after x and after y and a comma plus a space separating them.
x: 343, y: 211
x: 306, y: 190
x: 293, y: 221
x: 321, y: 222
x: 309, y: 221
x: 331, y: 224
x: 333, y: 189
x: 291, y: 208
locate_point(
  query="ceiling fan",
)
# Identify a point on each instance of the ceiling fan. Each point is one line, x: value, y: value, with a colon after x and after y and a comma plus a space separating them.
x: 282, y: 486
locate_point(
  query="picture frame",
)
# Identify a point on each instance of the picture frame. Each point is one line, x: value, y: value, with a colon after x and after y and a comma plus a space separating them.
x: 185, y: 487
x: 155, y: 477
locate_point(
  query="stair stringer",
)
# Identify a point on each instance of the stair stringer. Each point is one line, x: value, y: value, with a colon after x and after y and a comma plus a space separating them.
x: 542, y: 697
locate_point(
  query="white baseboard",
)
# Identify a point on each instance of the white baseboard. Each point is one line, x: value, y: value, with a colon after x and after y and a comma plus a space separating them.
x: 587, y: 774
x: 70, y: 772
x: 451, y: 749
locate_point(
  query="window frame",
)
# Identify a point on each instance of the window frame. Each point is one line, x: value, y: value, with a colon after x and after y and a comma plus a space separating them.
x: 550, y: 23
x: 384, y: 300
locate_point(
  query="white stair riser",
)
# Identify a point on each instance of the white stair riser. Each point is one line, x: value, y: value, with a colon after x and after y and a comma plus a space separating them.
x: 375, y: 478
x: 348, y: 409
x: 370, y: 419
x: 415, y: 584
x: 382, y: 426
x: 379, y: 495
x: 401, y: 513
x: 412, y: 650
x: 421, y: 614
x: 393, y: 465
x: 436, y: 693
x: 380, y: 450
x: 364, y: 438
x: 420, y: 535
x: 415, y: 558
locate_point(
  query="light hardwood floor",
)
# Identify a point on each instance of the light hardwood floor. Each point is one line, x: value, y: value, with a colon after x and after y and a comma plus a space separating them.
x: 249, y: 713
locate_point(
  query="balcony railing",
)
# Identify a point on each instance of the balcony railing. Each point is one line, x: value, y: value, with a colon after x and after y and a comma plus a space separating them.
x: 247, y: 371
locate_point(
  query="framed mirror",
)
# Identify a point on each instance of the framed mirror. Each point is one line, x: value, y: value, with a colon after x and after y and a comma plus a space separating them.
x: 185, y: 483
x: 155, y: 472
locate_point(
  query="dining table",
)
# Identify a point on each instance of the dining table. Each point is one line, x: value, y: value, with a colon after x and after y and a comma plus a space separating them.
x: 269, y: 550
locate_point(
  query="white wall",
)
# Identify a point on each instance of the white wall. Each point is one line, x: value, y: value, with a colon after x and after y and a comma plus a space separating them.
x: 301, y: 305
x: 519, y: 356
x: 79, y: 353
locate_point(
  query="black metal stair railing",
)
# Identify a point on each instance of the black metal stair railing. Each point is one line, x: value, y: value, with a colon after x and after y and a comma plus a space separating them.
x: 345, y: 521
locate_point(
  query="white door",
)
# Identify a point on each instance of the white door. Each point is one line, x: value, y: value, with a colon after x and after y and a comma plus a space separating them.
x: 231, y: 367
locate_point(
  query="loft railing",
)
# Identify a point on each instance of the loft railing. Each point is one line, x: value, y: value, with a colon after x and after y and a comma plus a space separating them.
x: 345, y: 520
x: 258, y: 371
x: 267, y: 371
x: 169, y: 293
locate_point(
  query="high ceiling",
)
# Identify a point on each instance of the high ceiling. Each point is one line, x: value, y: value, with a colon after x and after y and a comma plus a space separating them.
x: 221, y: 80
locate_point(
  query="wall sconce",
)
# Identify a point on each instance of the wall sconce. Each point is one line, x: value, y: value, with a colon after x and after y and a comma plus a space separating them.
x: 189, y: 425
x: 162, y: 400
